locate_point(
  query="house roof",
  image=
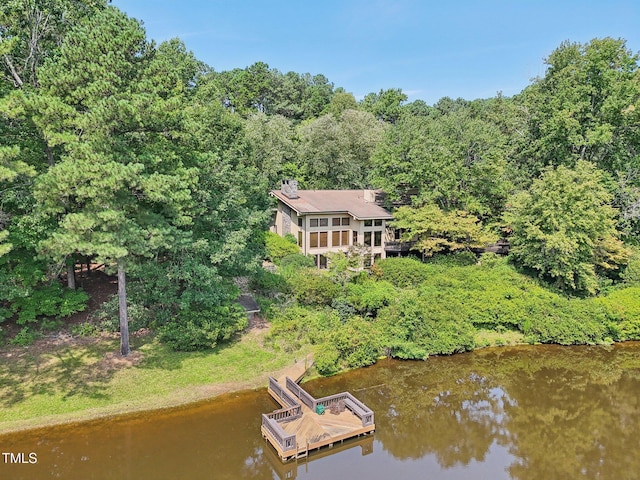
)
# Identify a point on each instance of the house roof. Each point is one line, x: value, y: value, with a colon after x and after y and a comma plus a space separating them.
x: 334, y: 201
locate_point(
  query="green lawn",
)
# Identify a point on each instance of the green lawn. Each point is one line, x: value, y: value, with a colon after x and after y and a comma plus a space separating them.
x: 81, y: 382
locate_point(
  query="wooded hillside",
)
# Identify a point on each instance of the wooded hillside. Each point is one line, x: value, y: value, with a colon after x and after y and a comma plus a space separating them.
x: 137, y: 156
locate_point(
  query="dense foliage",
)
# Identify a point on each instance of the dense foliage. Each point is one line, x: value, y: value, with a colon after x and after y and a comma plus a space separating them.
x: 409, y: 309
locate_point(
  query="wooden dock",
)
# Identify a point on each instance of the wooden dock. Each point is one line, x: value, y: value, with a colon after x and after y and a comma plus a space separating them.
x: 296, y: 429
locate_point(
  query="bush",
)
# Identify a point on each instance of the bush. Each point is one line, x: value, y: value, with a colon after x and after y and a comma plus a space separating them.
x: 278, y: 247
x: 267, y: 283
x: 26, y: 336
x: 204, y: 330
x: 297, y: 260
x: 293, y: 326
x: 623, y: 311
x: 107, y: 315
x: 415, y: 328
x: 457, y: 259
x: 566, y: 322
x: 401, y: 272
x: 358, y: 343
x: 85, y: 329
x: 314, y: 288
x: 326, y: 359
x: 631, y: 274
x: 48, y: 301
x: 367, y: 297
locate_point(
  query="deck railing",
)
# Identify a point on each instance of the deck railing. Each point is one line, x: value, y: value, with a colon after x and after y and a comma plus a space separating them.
x: 358, y: 408
x: 282, y: 394
x: 293, y: 410
x: 299, y: 392
x: 286, y: 414
x: 286, y: 441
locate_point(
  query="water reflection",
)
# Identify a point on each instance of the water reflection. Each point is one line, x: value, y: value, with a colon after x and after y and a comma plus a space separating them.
x: 525, y: 413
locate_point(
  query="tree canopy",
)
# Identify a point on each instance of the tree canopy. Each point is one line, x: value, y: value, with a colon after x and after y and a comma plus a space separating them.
x: 139, y: 156
x: 565, y: 228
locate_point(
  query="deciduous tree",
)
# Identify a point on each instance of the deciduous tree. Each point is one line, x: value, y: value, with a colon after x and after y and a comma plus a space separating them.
x: 565, y: 228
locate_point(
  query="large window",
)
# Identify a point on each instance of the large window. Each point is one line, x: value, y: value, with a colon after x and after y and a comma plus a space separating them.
x: 318, y: 239
x: 377, y: 223
x: 340, y: 238
x: 367, y: 239
x: 377, y: 239
x: 368, y: 223
x: 324, y: 236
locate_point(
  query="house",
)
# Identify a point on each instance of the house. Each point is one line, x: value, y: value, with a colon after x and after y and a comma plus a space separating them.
x: 326, y: 221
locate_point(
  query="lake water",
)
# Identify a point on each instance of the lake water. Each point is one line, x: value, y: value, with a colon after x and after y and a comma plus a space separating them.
x: 540, y: 412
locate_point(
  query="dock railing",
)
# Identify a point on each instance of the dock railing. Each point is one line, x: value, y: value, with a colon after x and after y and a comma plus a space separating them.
x: 282, y: 394
x: 358, y: 408
x: 286, y: 414
x: 299, y: 392
x: 287, y: 442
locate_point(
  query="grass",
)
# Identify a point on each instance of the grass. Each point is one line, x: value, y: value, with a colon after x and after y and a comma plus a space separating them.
x: 87, y: 381
x: 492, y: 338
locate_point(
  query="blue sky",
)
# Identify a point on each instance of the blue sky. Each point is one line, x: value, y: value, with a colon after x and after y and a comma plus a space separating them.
x: 468, y: 49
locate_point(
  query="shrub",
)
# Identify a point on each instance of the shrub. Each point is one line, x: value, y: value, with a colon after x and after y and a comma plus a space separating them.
x: 48, y: 301
x: 567, y: 322
x: 204, y: 330
x: 631, y: 273
x: 278, y: 247
x: 107, y: 316
x: 314, y: 288
x: 293, y: 326
x: 85, y: 329
x: 358, y: 342
x: 268, y: 283
x: 401, y: 272
x: 326, y: 359
x: 623, y: 311
x: 368, y: 297
x: 414, y: 328
x: 297, y: 260
x: 26, y: 336
x: 457, y: 259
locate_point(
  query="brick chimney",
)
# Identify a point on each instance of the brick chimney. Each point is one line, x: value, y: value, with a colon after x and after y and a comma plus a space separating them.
x: 289, y: 188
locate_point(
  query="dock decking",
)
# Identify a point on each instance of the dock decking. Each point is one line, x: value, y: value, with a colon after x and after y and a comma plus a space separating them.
x: 296, y: 429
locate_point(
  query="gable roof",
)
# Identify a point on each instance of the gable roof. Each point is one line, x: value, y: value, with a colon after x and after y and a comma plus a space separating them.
x: 334, y: 201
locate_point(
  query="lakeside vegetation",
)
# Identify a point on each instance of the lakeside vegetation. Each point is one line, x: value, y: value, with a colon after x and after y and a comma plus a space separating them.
x: 408, y: 309
x: 137, y: 157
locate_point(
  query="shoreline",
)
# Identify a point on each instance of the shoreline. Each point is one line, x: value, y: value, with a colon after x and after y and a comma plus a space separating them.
x: 177, y: 400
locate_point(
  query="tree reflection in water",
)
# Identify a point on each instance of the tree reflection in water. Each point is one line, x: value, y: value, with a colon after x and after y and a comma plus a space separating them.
x: 560, y: 412
x: 528, y: 413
